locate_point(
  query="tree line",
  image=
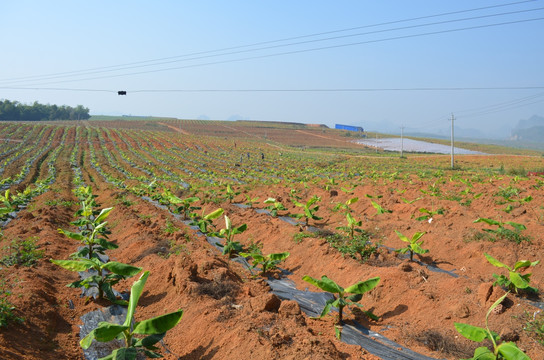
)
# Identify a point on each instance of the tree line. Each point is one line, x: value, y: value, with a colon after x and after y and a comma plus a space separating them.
x: 16, y: 111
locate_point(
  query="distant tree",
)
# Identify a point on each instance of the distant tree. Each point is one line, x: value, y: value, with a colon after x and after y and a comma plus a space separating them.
x: 15, y: 111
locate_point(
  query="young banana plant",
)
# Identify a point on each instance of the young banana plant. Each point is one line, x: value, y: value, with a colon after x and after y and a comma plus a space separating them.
x: 309, y: 211
x: 515, y: 281
x: 183, y: 206
x: 107, y: 275
x: 341, y: 298
x: 505, y: 350
x: 274, y: 206
x: 206, y: 221
x: 380, y: 209
x: 267, y: 262
x: 231, y: 247
x: 93, y: 233
x: 353, y: 226
x: 154, y: 329
x: 414, y: 246
x: 230, y: 194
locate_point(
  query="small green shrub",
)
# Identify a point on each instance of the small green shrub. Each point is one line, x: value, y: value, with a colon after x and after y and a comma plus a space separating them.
x: 358, y: 247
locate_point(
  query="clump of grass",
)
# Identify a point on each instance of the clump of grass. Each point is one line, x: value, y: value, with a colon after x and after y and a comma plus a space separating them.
x: 435, y: 340
x: 7, y: 314
x: 534, y: 326
x: 358, y: 247
x: 170, y: 228
x: 218, y: 289
x: 173, y: 249
x: 22, y: 253
x: 521, y: 171
x: 298, y: 237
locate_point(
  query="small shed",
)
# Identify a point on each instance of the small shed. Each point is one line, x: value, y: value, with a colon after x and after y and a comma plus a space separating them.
x: 349, y: 128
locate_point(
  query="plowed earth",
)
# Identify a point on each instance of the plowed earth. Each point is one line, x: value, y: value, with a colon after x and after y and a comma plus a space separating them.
x: 228, y: 314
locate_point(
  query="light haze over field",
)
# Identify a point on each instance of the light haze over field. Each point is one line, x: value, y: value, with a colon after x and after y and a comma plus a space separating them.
x: 203, y: 45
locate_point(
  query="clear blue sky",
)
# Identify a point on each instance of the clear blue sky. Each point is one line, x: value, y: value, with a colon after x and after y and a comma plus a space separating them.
x: 51, y: 37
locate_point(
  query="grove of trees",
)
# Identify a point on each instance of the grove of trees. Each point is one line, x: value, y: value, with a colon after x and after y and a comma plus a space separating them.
x: 16, y: 111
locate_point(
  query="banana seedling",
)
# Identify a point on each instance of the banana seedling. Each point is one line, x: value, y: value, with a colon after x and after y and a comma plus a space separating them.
x: 379, y: 208
x: 230, y: 194
x: 515, y: 281
x: 268, y: 262
x: 414, y: 246
x: 346, y: 205
x: 155, y: 329
x: 231, y: 247
x: 107, y: 275
x: 93, y: 234
x: 505, y: 350
x: 8, y: 207
x: 348, y: 190
x: 353, y: 226
x: 250, y: 201
x: 183, y: 206
x: 341, y: 298
x: 309, y: 211
x: 429, y: 214
x: 206, y: 221
x: 330, y: 183
x: 274, y: 206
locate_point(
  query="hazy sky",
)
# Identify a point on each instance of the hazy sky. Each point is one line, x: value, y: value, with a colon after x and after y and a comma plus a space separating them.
x: 302, y: 45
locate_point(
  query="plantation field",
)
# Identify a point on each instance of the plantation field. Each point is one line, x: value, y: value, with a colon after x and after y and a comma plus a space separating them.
x: 144, y: 169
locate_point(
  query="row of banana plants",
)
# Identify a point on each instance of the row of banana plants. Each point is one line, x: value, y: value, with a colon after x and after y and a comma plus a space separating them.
x: 12, y: 203
x: 103, y: 275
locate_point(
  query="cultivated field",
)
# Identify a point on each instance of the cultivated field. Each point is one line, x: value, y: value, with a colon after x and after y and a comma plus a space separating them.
x: 161, y: 175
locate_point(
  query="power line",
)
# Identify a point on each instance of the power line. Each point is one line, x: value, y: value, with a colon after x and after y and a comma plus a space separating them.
x: 488, y: 109
x: 156, y: 61
x: 300, y: 51
x: 55, y: 89
x: 479, y: 88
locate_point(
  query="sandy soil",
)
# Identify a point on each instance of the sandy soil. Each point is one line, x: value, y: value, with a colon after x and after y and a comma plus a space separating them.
x: 230, y: 315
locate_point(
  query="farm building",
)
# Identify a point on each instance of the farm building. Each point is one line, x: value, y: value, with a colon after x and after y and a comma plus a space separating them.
x: 349, y: 128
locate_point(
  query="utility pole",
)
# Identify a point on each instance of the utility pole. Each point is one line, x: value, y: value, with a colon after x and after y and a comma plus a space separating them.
x: 452, y: 119
x: 401, y: 141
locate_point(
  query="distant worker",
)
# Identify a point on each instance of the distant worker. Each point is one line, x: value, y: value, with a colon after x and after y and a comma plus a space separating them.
x: 248, y: 155
x: 262, y: 156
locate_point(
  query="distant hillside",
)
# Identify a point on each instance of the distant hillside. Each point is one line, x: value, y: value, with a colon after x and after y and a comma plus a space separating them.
x: 531, y: 129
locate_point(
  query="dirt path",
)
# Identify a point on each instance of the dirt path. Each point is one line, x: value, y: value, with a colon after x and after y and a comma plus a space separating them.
x: 320, y: 136
x: 176, y: 129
